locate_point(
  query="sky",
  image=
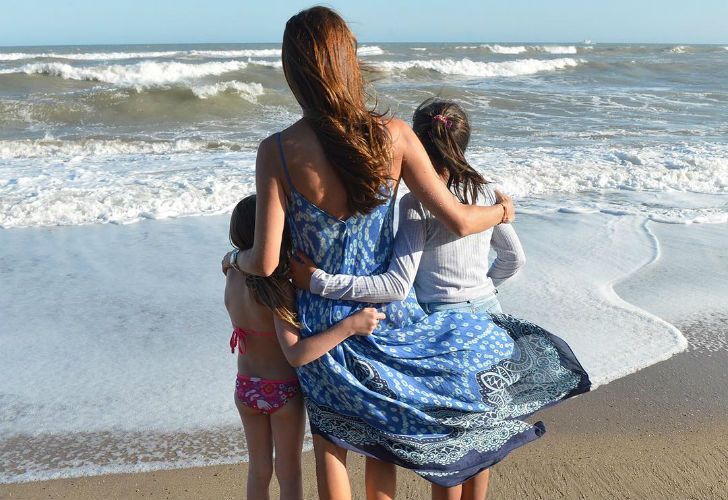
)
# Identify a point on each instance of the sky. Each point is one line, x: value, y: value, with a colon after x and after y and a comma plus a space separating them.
x: 56, y: 22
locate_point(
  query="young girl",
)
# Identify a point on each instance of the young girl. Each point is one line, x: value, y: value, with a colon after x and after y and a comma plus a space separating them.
x: 448, y: 272
x: 267, y: 393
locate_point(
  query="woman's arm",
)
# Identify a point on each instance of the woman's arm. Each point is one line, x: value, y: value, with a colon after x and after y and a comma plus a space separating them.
x: 393, y: 285
x: 270, y: 211
x: 421, y: 178
x: 299, y: 351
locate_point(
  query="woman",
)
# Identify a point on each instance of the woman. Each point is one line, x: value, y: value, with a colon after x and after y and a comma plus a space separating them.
x: 438, y: 264
x: 399, y: 395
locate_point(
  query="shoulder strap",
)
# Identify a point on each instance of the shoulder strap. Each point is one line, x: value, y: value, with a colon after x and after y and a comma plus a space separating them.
x: 283, y: 160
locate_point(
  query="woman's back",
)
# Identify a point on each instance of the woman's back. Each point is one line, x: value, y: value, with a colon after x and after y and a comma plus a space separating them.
x: 313, y: 175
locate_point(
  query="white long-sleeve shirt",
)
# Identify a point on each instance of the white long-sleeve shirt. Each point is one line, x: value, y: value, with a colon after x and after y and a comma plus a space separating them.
x: 442, y: 266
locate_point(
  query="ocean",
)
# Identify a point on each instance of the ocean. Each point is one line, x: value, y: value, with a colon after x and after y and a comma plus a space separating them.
x: 122, y: 133
x: 113, y: 334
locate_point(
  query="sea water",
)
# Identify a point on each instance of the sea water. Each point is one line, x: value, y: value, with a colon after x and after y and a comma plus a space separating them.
x: 113, y: 336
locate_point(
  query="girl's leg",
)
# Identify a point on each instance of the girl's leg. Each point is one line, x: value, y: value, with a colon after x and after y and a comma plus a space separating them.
x: 331, y: 475
x: 260, y: 450
x: 442, y: 493
x: 476, y: 488
x: 381, y: 479
x: 288, y: 425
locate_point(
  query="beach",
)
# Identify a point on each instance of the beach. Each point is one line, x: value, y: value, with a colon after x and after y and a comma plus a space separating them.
x: 657, y: 433
x: 119, y: 166
x: 660, y: 433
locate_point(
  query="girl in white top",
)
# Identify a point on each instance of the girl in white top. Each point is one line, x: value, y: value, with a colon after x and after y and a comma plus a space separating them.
x: 448, y: 272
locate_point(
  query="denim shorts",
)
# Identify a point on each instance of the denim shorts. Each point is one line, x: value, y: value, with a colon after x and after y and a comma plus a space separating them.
x: 488, y: 304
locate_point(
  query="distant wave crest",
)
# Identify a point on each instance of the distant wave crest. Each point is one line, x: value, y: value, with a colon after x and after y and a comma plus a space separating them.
x: 467, y: 67
x: 141, y: 75
x: 520, y: 49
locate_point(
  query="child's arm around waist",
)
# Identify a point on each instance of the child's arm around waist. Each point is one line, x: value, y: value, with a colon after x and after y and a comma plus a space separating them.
x: 392, y: 285
x: 300, y: 351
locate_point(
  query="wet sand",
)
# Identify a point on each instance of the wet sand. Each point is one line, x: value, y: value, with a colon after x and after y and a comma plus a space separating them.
x: 660, y: 433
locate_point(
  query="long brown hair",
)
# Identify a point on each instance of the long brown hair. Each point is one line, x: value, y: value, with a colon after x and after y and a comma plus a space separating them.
x: 323, y: 72
x: 444, y: 129
x: 273, y: 291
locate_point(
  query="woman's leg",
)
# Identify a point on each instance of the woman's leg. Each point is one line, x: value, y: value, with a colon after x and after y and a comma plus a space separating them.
x: 331, y: 474
x: 476, y: 488
x: 288, y: 424
x: 260, y: 451
x: 381, y: 479
x: 442, y: 493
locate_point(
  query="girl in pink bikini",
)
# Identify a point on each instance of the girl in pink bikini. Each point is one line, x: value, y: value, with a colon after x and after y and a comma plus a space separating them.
x: 267, y: 393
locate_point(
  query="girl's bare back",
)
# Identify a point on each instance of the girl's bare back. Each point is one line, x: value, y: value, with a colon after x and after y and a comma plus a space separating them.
x: 263, y: 357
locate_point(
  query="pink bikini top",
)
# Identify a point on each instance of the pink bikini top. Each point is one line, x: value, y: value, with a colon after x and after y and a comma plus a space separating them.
x: 240, y: 335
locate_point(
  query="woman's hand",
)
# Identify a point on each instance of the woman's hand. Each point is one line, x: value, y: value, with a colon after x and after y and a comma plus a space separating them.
x: 364, y: 322
x: 509, y: 214
x: 301, y: 270
x: 226, y: 263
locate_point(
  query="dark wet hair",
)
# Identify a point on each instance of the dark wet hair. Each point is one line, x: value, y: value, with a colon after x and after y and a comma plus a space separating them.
x: 444, y: 130
x: 272, y: 291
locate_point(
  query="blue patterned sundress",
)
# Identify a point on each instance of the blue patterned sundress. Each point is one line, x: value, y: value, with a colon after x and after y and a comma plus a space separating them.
x: 444, y: 395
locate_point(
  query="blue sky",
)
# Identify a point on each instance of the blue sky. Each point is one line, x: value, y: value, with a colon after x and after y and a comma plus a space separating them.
x: 39, y: 22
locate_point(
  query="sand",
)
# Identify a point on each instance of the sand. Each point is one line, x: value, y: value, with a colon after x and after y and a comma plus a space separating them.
x: 661, y: 433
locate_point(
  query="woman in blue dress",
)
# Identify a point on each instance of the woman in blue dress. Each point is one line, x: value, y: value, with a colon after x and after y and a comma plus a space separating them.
x: 443, y: 395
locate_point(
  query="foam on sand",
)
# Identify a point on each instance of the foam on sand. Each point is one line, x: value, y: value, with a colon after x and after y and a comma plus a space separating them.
x: 468, y: 67
x: 570, y: 291
x: 132, y: 340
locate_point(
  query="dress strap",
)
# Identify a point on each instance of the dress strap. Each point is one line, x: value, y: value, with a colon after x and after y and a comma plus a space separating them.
x: 279, y: 140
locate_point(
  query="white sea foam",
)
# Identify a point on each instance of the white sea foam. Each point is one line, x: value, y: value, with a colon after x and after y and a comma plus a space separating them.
x: 418, y: 48
x: 468, y: 67
x: 505, y: 49
x: 166, y: 180
x: 528, y: 172
x: 678, y: 49
x: 88, y: 56
x: 93, y: 148
x: 236, y: 53
x: 248, y: 91
x: 556, y: 49
x: 370, y: 50
x: 140, y: 75
x: 128, y: 338
x: 118, y: 56
x: 520, y: 49
x: 51, y: 182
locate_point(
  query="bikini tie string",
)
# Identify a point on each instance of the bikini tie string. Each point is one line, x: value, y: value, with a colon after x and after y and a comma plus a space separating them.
x: 235, y: 341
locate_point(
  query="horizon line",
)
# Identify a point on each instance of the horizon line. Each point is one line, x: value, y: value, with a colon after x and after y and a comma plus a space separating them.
x: 581, y: 42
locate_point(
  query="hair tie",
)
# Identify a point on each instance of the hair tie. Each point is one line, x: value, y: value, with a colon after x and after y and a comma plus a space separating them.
x: 442, y: 119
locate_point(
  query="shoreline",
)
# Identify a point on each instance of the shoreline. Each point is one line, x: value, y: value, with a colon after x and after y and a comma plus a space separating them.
x: 669, y: 418
x: 626, y: 440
